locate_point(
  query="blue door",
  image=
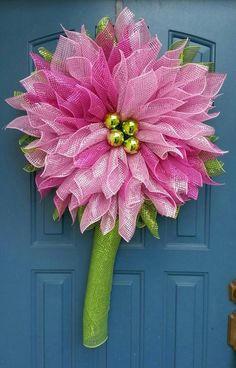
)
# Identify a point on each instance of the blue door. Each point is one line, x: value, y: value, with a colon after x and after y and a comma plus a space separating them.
x: 170, y: 303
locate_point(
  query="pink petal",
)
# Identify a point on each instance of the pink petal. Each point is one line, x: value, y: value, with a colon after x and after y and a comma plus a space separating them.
x: 39, y: 62
x: 57, y: 166
x: 81, y: 189
x: 131, y: 191
x: 22, y: 123
x: 102, y: 80
x: 47, y: 183
x: 47, y: 143
x: 190, y: 72
x: 116, y: 172
x: 61, y: 205
x: 214, y: 84
x: 178, y: 128
x: 164, y: 205
x: 195, y: 105
x: 73, y: 206
x: 196, y: 87
x: 150, y: 158
x: 80, y: 68
x: 36, y: 77
x: 167, y: 62
x: 166, y: 76
x: 204, y: 144
x: 65, y: 189
x: 16, y: 101
x: 36, y: 158
x: 109, y: 218
x: 97, y: 206
x: 128, y: 218
x: 90, y: 155
x: 84, y: 45
x: 43, y: 110
x: 161, y: 146
x: 157, y: 107
x: 123, y: 21
x: 45, y: 93
x: 120, y: 77
x: 138, y: 167
x: 175, y: 54
x: 72, y: 145
x: 138, y: 92
x: 105, y: 39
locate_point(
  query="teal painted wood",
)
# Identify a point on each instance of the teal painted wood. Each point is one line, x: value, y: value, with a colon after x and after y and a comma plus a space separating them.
x: 169, y: 302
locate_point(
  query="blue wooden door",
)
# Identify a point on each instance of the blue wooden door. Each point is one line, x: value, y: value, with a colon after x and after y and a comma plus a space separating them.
x: 169, y: 303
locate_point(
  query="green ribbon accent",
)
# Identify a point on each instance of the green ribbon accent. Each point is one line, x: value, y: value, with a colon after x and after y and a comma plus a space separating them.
x: 177, y: 212
x: 80, y: 213
x: 101, y: 25
x: 45, y: 53
x: 148, y: 214
x: 79, y: 217
x: 213, y: 138
x: 17, y: 93
x: 209, y: 64
x: 99, y: 284
x: 24, y: 140
x: 55, y: 215
x: 214, y: 167
x: 140, y: 224
x: 176, y: 44
x: 29, y: 168
x: 189, y: 53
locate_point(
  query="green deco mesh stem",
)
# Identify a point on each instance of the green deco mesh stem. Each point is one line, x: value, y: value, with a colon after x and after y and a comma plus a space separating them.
x: 99, y: 284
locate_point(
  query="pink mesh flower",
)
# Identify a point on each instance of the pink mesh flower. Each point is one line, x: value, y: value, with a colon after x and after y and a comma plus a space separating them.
x: 66, y: 102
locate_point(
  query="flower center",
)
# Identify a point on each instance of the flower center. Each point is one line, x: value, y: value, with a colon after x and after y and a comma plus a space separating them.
x: 122, y: 132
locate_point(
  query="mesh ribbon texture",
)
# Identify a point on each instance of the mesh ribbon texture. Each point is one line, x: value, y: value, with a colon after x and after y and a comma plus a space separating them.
x: 67, y: 139
x: 99, y: 284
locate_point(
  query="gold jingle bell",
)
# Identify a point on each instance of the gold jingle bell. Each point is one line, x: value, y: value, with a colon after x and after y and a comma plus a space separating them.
x: 131, y: 145
x: 112, y: 120
x: 115, y: 137
x: 130, y: 127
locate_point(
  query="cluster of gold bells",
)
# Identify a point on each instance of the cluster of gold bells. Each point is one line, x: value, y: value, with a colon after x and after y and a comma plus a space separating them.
x: 122, y: 132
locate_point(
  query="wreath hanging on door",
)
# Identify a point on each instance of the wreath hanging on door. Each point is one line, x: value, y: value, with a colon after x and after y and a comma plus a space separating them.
x: 120, y: 136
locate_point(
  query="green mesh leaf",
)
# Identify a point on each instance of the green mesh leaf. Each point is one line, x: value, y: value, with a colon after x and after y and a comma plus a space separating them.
x: 209, y: 64
x: 213, y: 138
x: 148, y: 214
x: 181, y: 57
x: 26, y: 150
x: 101, y: 25
x: 177, y: 212
x: 189, y: 53
x: 88, y: 33
x: 80, y: 213
x: 29, y: 168
x: 79, y: 217
x: 140, y: 224
x: 92, y: 226
x: 214, y: 167
x: 26, y: 139
x: 17, y: 93
x: 46, y: 54
x: 176, y: 44
x: 55, y: 215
